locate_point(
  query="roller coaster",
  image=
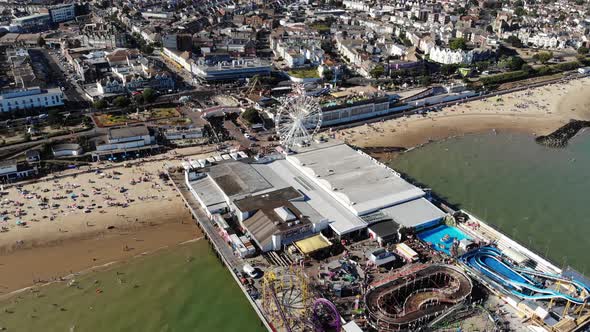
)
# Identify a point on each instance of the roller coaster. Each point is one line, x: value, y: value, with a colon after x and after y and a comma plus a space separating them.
x: 525, y: 283
x: 413, y: 300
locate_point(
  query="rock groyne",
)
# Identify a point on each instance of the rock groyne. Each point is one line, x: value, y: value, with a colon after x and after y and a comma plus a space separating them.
x: 560, y: 137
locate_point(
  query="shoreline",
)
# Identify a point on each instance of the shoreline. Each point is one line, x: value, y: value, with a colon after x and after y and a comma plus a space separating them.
x: 39, y: 265
x: 95, y: 268
x: 538, y: 111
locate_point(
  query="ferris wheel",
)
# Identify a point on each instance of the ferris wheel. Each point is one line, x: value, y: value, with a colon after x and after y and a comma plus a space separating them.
x: 298, y: 119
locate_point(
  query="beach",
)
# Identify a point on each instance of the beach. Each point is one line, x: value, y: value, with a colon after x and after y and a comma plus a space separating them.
x: 537, y: 111
x: 91, y: 217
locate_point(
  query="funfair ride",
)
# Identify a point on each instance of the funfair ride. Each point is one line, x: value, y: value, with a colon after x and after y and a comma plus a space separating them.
x: 299, y: 118
x: 290, y: 305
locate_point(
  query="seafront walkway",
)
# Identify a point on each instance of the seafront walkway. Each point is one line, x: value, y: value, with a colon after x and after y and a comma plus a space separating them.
x: 221, y: 248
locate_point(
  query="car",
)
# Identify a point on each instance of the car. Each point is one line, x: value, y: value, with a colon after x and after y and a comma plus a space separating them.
x: 251, y: 271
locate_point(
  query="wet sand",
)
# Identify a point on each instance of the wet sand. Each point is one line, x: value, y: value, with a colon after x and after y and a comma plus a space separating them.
x: 107, y: 219
x: 537, y: 111
x: 39, y: 265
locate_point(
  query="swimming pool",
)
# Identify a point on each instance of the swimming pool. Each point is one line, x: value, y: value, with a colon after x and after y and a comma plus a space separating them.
x: 436, y: 236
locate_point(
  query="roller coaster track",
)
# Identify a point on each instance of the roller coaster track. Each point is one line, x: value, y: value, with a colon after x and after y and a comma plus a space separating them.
x: 422, y: 303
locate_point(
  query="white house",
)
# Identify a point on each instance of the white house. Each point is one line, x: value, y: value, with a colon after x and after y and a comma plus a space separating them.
x: 447, y: 56
x: 28, y: 98
x: 62, y: 13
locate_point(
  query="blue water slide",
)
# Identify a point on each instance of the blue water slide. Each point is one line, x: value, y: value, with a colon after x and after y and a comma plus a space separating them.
x: 488, y: 261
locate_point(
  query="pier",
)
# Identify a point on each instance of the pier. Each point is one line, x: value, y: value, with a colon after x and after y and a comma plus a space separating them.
x: 221, y: 249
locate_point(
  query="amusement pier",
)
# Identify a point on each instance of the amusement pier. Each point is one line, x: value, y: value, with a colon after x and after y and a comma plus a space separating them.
x: 323, y: 237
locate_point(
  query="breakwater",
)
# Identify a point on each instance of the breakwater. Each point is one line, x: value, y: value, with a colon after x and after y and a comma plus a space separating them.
x: 560, y: 137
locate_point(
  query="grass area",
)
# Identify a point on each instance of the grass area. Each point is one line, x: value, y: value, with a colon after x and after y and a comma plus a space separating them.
x: 167, y: 112
x: 181, y: 289
x: 120, y: 118
x: 320, y: 27
x: 111, y: 119
x: 304, y: 73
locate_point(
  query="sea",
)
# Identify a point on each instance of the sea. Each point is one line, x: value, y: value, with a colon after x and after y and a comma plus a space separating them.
x: 539, y: 196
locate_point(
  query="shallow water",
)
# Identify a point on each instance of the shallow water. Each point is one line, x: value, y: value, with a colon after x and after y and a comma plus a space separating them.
x: 537, y: 195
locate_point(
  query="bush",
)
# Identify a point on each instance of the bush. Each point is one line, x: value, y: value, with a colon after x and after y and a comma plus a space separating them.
x: 251, y: 115
x: 583, y: 50
x: 149, y: 95
x: 458, y: 44
x: 506, y: 77
x: 100, y: 104
x: 514, y: 41
x: 121, y: 101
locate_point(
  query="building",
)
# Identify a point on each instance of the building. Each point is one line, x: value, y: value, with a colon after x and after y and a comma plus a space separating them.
x: 325, y: 187
x: 125, y: 141
x: 30, y: 98
x: 186, y: 132
x: 447, y: 56
x: 66, y: 150
x: 384, y: 232
x: 182, y: 59
x: 237, y: 69
x: 11, y: 170
x: 62, y: 13
x: 32, y: 23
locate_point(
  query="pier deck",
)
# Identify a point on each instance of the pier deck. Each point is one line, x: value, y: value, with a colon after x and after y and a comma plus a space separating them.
x: 223, y: 251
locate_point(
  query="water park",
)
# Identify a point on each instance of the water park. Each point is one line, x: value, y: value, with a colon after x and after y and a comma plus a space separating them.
x: 444, y: 238
x: 525, y: 282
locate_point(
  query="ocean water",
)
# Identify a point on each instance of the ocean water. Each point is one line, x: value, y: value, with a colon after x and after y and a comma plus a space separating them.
x: 537, y: 195
x: 184, y: 288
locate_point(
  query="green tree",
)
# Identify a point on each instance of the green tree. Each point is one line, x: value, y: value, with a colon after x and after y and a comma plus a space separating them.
x: 251, y: 115
x: 328, y: 75
x: 149, y: 95
x: 511, y: 63
x: 448, y: 69
x: 583, y: 50
x: 514, y: 41
x: 424, y: 80
x: 100, y: 104
x: 41, y: 42
x: 377, y: 71
x: 519, y: 11
x: 139, y: 99
x: 543, y: 57
x: 55, y: 118
x: 121, y: 101
x: 458, y: 44
x: 490, y: 29
x: 147, y: 49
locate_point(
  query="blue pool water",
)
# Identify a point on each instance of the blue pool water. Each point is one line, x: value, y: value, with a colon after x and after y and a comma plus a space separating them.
x: 436, y: 235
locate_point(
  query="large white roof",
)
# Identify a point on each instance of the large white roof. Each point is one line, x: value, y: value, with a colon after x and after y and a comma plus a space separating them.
x: 414, y: 213
x: 357, y: 181
x: 281, y: 173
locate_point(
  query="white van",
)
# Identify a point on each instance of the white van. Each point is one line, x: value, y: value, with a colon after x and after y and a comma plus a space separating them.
x: 250, y: 270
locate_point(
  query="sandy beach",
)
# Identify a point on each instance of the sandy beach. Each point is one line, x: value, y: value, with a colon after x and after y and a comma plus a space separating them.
x: 536, y: 111
x: 54, y: 227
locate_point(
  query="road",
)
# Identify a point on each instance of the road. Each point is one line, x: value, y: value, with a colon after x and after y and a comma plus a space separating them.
x: 74, y: 93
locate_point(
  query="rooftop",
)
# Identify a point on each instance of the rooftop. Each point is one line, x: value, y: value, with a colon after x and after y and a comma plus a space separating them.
x: 129, y: 131
x: 238, y: 179
x: 358, y: 182
x: 414, y: 213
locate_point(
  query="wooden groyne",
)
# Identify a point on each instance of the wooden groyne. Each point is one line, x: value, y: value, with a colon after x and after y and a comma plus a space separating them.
x: 382, y: 149
x: 560, y: 137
